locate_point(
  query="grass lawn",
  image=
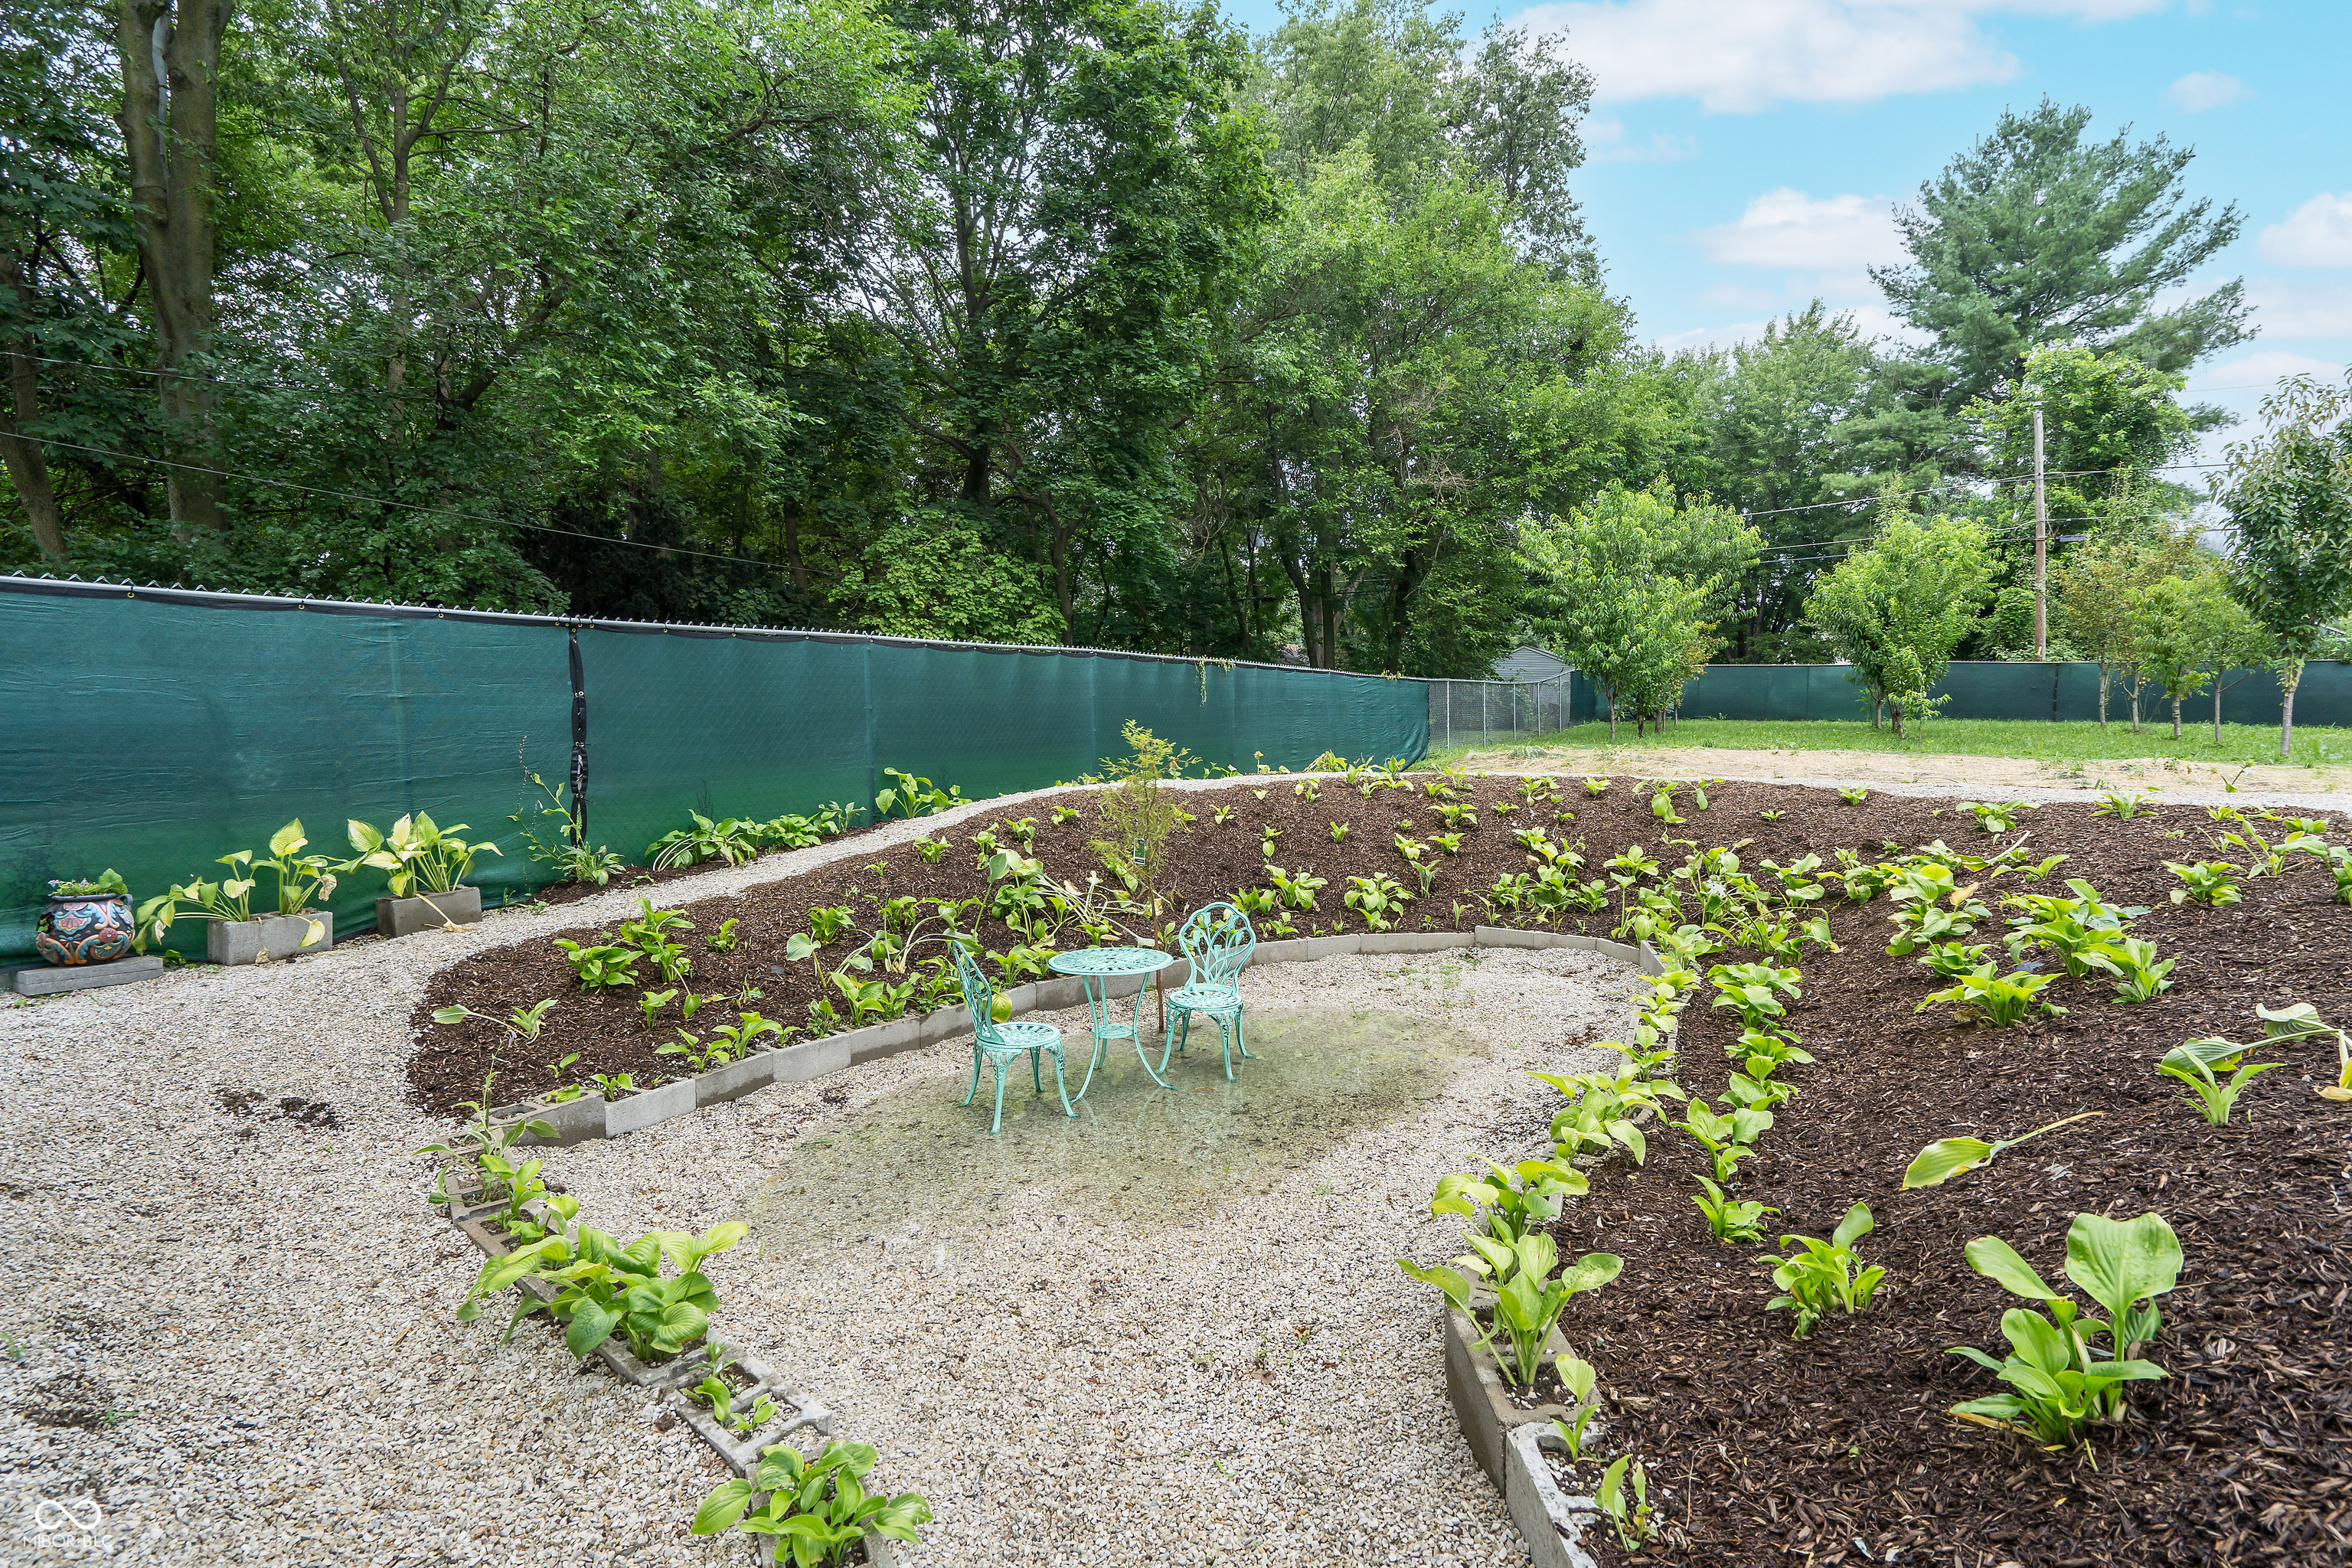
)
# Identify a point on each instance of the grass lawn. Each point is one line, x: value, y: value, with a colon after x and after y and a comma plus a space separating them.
x: 2036, y: 740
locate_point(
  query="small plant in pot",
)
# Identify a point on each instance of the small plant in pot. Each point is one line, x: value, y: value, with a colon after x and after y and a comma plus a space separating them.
x: 86, y: 920
x: 237, y: 935
x: 426, y: 866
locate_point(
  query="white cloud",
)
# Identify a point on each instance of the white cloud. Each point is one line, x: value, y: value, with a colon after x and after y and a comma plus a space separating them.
x: 2201, y: 91
x: 2316, y: 234
x: 1788, y: 228
x: 2285, y: 309
x: 1604, y: 143
x: 1873, y: 321
x: 1747, y: 55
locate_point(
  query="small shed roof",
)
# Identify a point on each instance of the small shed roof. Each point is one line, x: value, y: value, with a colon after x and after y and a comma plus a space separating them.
x: 1528, y: 662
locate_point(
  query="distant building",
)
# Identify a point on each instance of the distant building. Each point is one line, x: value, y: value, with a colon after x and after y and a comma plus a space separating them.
x: 1529, y: 663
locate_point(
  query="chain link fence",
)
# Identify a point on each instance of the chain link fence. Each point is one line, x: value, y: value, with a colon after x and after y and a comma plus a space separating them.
x: 1489, y: 712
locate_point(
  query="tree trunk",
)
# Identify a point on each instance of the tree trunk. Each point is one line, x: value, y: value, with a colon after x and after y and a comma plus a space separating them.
x: 170, y: 130
x: 28, y: 467
x: 2175, y: 716
x: 2103, y: 697
x: 2217, y: 704
x: 2292, y: 677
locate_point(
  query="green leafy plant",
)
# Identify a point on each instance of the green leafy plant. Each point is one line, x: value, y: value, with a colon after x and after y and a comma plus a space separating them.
x: 1727, y: 1218
x: 480, y: 1138
x: 725, y: 939
x: 2206, y: 882
x: 1458, y: 814
x: 521, y: 1023
x: 1996, y: 818
x: 1754, y: 990
x: 600, y: 965
x: 652, y: 1002
x: 828, y: 921
x: 1728, y: 1137
x: 1577, y: 1375
x: 1528, y: 1296
x: 1951, y: 959
x: 1064, y: 813
x: 1824, y: 1274
x: 1948, y: 1157
x: 1138, y: 817
x: 613, y: 1084
x: 814, y: 1512
x: 1999, y: 1000
x: 1380, y: 899
x: 603, y: 1288
x: 1221, y: 815
x: 1596, y: 787
x: 1853, y: 796
x: 107, y: 881
x: 299, y: 878
x: 1602, y: 1111
x: 1339, y: 833
x: 2057, y: 1388
x: 730, y: 840
x: 1627, y: 1509
x: 2139, y: 976
x: 1510, y: 1202
x: 907, y: 796
x: 416, y: 857
x: 1769, y: 814
x: 2124, y: 806
x: 2193, y: 1063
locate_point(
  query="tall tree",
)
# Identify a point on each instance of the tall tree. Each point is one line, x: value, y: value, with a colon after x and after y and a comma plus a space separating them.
x: 1898, y: 608
x: 2289, y: 496
x: 2035, y: 236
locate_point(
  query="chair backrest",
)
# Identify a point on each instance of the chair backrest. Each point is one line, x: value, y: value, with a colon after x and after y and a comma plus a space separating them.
x: 978, y: 995
x: 1219, y: 940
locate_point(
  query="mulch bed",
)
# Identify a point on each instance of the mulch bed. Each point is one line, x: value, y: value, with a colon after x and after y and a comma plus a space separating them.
x: 1836, y: 1449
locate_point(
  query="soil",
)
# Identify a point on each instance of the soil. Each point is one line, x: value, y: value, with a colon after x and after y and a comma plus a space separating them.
x: 1838, y: 1448
x: 1934, y: 770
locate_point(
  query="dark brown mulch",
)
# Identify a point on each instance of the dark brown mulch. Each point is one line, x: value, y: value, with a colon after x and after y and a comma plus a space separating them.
x: 1837, y: 1448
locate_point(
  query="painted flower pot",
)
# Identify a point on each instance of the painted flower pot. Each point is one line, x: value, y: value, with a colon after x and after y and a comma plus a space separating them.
x: 84, y: 928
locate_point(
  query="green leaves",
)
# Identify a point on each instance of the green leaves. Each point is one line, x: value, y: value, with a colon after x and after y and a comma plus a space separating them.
x: 1948, y: 1157
x: 1823, y: 1274
x: 1999, y: 1000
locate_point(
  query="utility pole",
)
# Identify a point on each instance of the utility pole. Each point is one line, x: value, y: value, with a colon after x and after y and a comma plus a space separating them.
x: 2040, y: 548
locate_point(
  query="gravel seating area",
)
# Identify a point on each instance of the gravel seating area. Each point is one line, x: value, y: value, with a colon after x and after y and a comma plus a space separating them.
x: 229, y: 1326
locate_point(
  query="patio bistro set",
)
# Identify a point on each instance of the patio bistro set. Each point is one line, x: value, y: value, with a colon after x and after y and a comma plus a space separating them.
x: 1217, y: 941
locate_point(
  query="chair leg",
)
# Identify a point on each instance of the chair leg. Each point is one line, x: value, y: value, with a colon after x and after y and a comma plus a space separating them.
x: 998, y: 1119
x: 1037, y: 1084
x: 1240, y: 1037
x: 1060, y: 1088
x: 975, y: 1075
x: 1224, y: 1044
x: 1173, y: 1042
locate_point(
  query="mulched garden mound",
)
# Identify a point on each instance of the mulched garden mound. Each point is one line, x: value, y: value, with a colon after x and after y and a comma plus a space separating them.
x: 1836, y: 1449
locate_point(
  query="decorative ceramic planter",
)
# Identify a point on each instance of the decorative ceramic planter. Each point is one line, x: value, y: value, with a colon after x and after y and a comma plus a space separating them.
x: 428, y: 911
x: 84, y: 928
x: 271, y: 936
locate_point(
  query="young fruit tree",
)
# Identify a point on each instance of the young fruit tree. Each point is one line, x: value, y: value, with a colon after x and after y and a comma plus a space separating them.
x: 2289, y: 496
x: 2093, y: 588
x: 1629, y: 586
x: 1897, y: 608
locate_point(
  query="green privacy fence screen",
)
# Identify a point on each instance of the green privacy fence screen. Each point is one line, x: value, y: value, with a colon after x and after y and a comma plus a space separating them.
x: 154, y: 730
x: 1990, y: 691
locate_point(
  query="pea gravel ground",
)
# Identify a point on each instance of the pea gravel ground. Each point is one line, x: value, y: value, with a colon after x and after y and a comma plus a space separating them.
x: 229, y: 1331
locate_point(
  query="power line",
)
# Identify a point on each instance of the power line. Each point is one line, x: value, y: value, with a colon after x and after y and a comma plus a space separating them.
x: 404, y: 506
x: 1963, y: 484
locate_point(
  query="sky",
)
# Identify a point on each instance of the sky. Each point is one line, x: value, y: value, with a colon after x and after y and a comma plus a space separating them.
x: 1746, y: 156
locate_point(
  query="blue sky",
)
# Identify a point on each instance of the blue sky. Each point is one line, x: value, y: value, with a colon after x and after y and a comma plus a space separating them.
x: 1745, y: 154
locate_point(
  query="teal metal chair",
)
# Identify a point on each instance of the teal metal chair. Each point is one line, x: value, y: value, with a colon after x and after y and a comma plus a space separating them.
x: 998, y: 1044
x: 1219, y: 940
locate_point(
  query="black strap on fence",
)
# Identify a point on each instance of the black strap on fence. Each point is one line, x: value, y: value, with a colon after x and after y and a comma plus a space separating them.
x: 578, y: 745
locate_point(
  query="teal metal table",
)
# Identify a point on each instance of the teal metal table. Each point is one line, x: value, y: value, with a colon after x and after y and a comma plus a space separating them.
x: 1095, y: 967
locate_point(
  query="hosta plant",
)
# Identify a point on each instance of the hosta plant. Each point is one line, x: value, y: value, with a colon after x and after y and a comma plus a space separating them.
x: 1996, y: 818
x: 814, y: 1512
x: 1824, y: 1274
x: 1601, y: 1110
x: 2057, y: 1385
x: 600, y: 965
x: 1754, y: 990
x: 2124, y: 806
x: 1297, y: 891
x: 1728, y: 1218
x: 2138, y: 974
x: 1627, y: 1507
x: 1948, y: 1157
x: 2194, y: 1064
x: 1380, y: 899
x: 1578, y: 1376
x: 1728, y: 1137
x: 1528, y: 1296
x: 1999, y: 1000
x: 1510, y: 1202
x: 1951, y: 959
x: 604, y: 1288
x: 2206, y: 882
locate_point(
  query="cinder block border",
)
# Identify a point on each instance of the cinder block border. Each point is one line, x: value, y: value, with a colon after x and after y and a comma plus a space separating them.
x: 577, y: 1120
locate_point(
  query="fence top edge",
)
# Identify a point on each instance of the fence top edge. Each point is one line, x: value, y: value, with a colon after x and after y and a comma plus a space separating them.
x: 212, y: 599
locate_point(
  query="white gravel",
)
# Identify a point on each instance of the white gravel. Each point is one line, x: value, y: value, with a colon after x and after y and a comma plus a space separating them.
x: 237, y: 1340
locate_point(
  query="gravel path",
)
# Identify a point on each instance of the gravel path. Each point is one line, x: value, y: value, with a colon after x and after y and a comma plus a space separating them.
x: 230, y: 1340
